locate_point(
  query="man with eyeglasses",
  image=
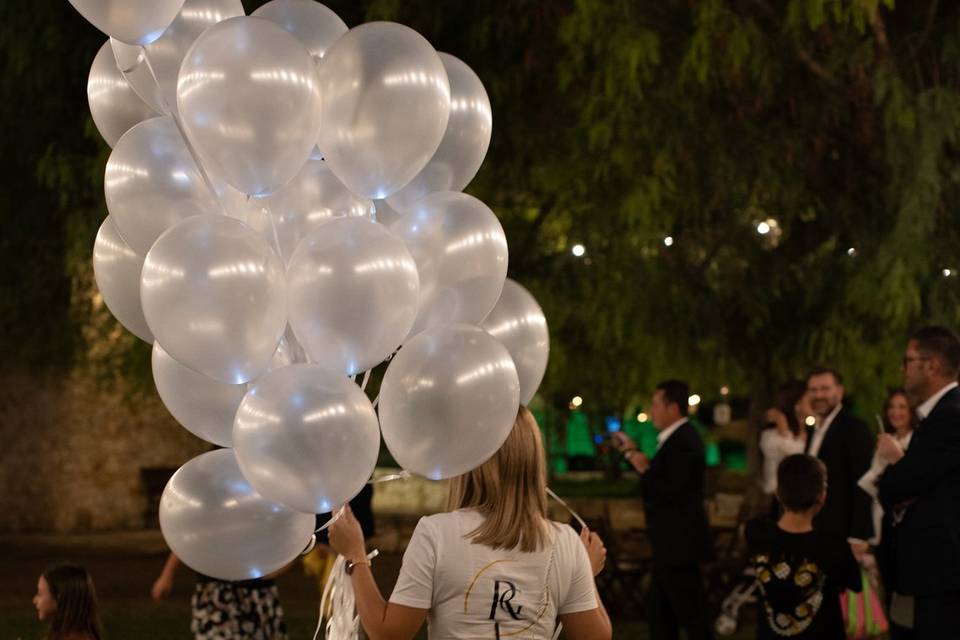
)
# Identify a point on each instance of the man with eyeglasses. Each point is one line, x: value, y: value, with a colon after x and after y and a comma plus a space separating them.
x: 922, y: 485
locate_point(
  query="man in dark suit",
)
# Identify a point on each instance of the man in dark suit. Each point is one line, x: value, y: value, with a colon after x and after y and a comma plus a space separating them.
x: 672, y: 487
x: 844, y: 444
x: 922, y: 486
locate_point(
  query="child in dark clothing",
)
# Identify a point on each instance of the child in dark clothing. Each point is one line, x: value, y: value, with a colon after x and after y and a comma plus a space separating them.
x: 800, y: 572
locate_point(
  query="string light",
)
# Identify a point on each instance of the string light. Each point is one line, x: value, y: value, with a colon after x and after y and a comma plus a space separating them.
x: 642, y: 417
x: 693, y: 400
x: 576, y: 402
x: 668, y: 241
x: 578, y: 250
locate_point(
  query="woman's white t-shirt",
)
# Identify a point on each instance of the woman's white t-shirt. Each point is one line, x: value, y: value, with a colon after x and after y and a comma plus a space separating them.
x: 474, y: 591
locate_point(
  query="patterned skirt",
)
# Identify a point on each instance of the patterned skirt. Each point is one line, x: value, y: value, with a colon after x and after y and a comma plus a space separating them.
x: 237, y: 611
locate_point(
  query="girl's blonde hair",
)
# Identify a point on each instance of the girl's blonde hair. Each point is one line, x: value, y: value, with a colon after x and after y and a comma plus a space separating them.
x: 509, y: 490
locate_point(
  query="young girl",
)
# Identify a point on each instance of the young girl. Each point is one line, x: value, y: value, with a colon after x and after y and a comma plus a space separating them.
x: 492, y: 567
x: 67, y: 601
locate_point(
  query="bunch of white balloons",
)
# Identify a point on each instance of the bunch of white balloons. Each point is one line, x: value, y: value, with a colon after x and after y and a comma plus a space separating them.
x: 285, y: 212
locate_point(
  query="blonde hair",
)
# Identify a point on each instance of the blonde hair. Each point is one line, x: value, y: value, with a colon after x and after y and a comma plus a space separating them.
x: 509, y: 490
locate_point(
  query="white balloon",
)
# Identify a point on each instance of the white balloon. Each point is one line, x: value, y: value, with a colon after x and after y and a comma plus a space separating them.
x: 114, y: 105
x: 519, y: 324
x: 353, y: 292
x: 312, y: 198
x: 166, y: 53
x: 151, y: 183
x: 386, y: 101
x: 204, y: 407
x: 314, y: 25
x: 116, y: 268
x: 306, y: 437
x: 214, y: 521
x: 214, y: 296
x: 448, y: 401
x: 465, y: 142
x: 461, y: 254
x: 132, y: 21
x: 250, y: 102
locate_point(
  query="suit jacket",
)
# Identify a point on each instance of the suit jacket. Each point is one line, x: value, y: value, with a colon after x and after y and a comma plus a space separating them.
x: 846, y: 451
x: 927, y: 545
x: 673, y: 500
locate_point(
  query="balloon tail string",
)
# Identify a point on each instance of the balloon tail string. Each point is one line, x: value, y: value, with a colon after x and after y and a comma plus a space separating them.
x: 366, y: 378
x: 336, y: 516
x: 183, y: 134
x: 567, y: 507
x: 402, y: 475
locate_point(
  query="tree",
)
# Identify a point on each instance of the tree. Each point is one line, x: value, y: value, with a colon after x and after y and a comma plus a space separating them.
x: 617, y: 124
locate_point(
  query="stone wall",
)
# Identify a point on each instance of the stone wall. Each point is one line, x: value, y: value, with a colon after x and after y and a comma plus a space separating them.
x: 71, y: 453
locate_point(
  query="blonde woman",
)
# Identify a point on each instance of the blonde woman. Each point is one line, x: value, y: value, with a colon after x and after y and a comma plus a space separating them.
x: 493, y: 566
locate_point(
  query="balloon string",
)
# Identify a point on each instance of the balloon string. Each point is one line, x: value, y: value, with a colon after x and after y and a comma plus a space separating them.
x: 336, y: 516
x: 366, y: 378
x: 183, y: 134
x: 567, y: 507
x: 403, y: 475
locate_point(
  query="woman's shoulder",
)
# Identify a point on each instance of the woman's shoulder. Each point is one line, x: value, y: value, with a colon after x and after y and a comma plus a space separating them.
x: 563, y: 535
x: 450, y: 520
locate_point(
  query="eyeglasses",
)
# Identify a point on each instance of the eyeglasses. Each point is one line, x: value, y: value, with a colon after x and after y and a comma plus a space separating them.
x: 908, y: 359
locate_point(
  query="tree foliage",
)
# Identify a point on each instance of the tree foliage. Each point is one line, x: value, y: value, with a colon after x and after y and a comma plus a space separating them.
x: 616, y: 124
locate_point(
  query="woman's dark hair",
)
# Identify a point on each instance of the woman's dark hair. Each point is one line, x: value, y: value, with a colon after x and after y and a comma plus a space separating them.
x: 899, y: 391
x: 76, y: 614
x: 788, y: 395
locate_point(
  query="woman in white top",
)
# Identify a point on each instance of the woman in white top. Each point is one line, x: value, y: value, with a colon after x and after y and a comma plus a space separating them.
x: 898, y: 420
x: 784, y: 434
x: 493, y: 566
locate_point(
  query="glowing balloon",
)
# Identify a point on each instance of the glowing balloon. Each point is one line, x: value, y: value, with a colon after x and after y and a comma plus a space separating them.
x: 519, y: 324
x: 151, y: 183
x: 465, y: 142
x: 116, y: 268
x: 448, y: 401
x: 353, y: 293
x: 205, y: 407
x: 215, y: 522
x: 461, y: 254
x: 250, y: 103
x: 386, y: 101
x: 114, y: 105
x: 131, y: 21
x: 307, y: 437
x: 214, y: 296
x: 313, y: 24
x: 166, y: 53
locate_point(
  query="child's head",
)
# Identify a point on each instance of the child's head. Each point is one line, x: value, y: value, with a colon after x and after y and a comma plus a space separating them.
x: 66, y: 599
x: 801, y: 483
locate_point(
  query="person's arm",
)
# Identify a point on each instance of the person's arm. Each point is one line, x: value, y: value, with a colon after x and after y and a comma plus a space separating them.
x: 932, y: 454
x: 859, y: 456
x: 665, y: 483
x: 381, y: 620
x: 592, y: 624
x: 163, y: 585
